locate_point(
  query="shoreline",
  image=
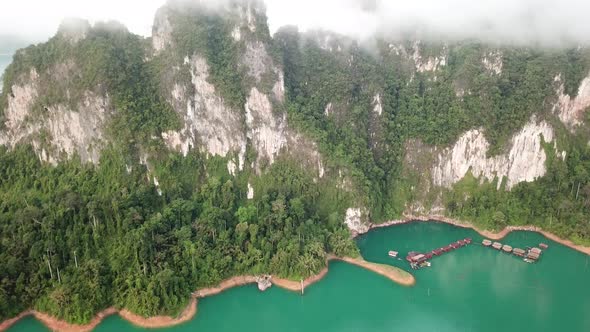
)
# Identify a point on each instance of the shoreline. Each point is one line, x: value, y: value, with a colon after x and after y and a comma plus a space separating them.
x: 392, y: 273
x: 399, y: 276
x: 55, y: 324
x: 190, y: 311
x: 483, y: 232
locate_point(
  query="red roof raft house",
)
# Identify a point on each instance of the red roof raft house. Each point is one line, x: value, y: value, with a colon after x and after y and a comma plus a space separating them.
x: 418, y: 260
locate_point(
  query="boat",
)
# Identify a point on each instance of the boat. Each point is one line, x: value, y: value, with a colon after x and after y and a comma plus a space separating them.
x: 392, y: 253
x: 528, y: 260
x: 425, y: 264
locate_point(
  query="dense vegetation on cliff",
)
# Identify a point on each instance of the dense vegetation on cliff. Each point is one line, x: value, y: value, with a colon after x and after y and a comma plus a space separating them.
x: 435, y: 108
x: 76, y: 238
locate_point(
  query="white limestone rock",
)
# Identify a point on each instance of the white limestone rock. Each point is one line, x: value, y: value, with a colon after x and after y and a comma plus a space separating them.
x: 492, y: 62
x: 161, y: 31
x: 377, y: 106
x: 571, y: 110
x: 69, y: 131
x: 525, y: 161
x: 266, y: 130
x: 430, y: 64
x: 250, y: 194
x: 208, y: 122
x: 355, y: 221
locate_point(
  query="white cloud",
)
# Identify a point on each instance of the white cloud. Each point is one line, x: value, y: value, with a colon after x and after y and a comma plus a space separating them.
x: 41, y: 18
x: 545, y: 21
x: 521, y: 21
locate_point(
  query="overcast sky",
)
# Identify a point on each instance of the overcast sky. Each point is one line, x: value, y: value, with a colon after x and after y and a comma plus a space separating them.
x: 546, y: 21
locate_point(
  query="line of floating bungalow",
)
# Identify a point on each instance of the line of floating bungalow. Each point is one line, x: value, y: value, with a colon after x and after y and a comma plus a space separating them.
x: 530, y: 255
x: 418, y: 260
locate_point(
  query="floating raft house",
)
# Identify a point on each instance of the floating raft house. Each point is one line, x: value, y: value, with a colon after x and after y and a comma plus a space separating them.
x: 543, y: 246
x: 519, y: 252
x: 497, y: 245
x: 536, y: 251
x: 507, y: 248
x: 486, y: 242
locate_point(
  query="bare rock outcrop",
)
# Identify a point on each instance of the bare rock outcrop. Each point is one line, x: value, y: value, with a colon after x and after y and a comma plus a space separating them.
x: 208, y: 122
x: 59, y: 131
x: 571, y: 110
x: 525, y: 160
x: 357, y: 221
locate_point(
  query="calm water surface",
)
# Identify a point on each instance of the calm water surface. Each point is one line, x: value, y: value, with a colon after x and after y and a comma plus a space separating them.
x: 470, y: 289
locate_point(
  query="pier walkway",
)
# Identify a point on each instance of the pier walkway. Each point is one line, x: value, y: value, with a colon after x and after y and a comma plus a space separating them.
x: 416, y: 258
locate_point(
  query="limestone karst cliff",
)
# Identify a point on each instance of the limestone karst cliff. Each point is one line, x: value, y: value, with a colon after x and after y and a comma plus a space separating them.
x: 361, y: 117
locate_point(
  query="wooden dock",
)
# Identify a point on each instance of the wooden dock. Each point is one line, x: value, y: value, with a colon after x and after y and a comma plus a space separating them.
x: 416, y: 259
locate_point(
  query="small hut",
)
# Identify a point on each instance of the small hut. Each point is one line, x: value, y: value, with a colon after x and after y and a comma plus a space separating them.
x: 519, y: 252
x: 497, y: 245
x: 486, y: 242
x: 418, y: 258
x: 507, y: 248
x: 532, y: 255
x: 536, y: 251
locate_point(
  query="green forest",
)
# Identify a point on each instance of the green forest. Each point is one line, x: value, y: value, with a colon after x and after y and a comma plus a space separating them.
x: 424, y: 106
x: 76, y: 238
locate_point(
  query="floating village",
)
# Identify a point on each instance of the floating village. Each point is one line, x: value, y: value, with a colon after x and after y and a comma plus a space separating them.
x: 420, y: 260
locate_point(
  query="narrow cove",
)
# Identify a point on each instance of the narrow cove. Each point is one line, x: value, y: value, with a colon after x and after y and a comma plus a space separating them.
x: 471, y: 289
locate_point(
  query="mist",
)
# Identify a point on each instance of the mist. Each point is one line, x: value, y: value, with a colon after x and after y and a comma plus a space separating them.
x: 528, y: 22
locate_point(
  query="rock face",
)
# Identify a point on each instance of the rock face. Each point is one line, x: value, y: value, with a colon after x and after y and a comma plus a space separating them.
x: 493, y: 62
x: 161, y: 30
x: 208, y: 123
x: 428, y: 64
x: 355, y: 221
x: 571, y: 110
x: 525, y: 161
x: 214, y: 127
x: 266, y: 131
x: 377, y: 106
x: 59, y: 131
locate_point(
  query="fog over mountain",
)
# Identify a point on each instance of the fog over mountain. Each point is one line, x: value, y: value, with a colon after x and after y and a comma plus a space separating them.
x: 546, y: 22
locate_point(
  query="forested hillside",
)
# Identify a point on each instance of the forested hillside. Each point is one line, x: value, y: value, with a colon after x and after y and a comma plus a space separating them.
x: 134, y: 171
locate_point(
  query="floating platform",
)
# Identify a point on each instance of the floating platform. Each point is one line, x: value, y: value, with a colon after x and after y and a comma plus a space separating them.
x: 536, y: 251
x: 418, y: 260
x: 530, y: 254
x: 518, y: 252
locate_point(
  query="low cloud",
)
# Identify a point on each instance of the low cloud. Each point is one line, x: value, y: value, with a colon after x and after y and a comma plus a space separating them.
x: 545, y: 22
x: 536, y: 22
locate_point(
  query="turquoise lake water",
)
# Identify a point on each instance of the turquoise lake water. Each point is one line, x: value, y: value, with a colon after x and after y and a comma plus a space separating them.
x: 471, y: 289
